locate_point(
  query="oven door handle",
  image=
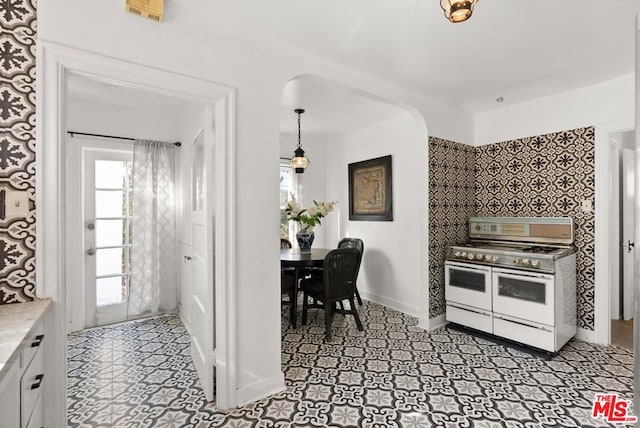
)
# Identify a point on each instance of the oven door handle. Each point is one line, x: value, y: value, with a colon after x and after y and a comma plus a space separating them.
x: 469, y: 267
x: 521, y: 274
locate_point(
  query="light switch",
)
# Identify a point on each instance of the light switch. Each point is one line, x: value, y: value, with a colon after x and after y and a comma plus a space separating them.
x: 16, y: 204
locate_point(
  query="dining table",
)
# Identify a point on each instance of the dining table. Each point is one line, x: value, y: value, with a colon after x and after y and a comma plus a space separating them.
x: 300, y: 263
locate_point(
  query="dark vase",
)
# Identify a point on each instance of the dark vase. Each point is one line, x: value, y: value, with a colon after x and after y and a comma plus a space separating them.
x: 305, y: 239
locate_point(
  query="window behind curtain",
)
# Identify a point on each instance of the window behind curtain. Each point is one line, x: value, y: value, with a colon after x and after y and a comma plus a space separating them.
x: 286, y: 190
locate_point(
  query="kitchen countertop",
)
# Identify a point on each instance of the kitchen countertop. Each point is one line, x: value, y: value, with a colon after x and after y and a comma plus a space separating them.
x: 17, y: 321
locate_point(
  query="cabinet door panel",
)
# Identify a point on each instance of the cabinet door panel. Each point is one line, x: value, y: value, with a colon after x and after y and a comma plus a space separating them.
x: 10, y: 396
x: 31, y: 386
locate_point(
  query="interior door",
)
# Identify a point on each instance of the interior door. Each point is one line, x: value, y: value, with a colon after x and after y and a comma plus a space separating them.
x: 202, y: 260
x: 107, y: 234
x: 627, y: 246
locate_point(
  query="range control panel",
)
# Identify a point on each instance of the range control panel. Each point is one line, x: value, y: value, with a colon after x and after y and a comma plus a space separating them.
x: 522, y: 261
x: 557, y: 230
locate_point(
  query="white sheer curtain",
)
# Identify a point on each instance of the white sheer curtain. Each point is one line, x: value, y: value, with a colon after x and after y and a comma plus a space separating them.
x: 153, y: 285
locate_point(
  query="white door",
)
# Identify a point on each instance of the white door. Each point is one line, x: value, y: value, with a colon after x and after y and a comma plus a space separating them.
x: 627, y: 237
x: 202, y: 317
x: 107, y: 234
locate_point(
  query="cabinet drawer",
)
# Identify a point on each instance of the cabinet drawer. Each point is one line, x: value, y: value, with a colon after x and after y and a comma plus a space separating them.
x: 33, y: 343
x: 541, y: 337
x: 470, y: 317
x: 31, y: 384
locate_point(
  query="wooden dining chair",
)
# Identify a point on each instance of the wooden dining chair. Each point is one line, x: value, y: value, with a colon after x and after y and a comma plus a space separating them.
x: 354, y: 243
x: 340, y: 268
x: 285, y: 243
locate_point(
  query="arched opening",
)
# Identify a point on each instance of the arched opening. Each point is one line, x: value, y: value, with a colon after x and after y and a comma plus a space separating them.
x: 343, y: 126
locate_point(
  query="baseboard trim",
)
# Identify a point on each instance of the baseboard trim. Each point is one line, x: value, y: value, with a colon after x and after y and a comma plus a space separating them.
x: 413, y: 311
x: 261, y: 389
x: 184, y: 318
x: 432, y: 323
x: 586, y: 335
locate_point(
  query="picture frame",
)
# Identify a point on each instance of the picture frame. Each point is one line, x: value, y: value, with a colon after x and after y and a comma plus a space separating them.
x: 370, y: 190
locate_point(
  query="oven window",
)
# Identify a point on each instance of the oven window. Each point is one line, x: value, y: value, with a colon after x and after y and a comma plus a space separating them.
x: 467, y: 280
x: 522, y: 290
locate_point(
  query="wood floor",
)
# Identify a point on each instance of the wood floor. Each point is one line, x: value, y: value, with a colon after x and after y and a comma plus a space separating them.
x: 622, y: 333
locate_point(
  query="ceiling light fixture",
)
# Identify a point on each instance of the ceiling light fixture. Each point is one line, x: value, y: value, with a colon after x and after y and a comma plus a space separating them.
x: 299, y: 162
x: 458, y: 10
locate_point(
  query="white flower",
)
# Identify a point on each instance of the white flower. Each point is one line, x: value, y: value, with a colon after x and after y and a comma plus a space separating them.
x: 309, y: 217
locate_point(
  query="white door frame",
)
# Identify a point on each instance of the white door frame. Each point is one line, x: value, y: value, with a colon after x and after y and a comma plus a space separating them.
x: 604, y: 240
x: 55, y: 63
x: 615, y: 311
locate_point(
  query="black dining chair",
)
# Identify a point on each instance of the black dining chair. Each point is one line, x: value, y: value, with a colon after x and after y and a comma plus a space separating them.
x: 353, y: 243
x: 288, y: 281
x: 340, y: 268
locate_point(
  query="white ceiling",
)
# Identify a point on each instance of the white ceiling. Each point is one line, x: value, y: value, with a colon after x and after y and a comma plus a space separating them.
x: 329, y: 108
x: 514, y: 49
x: 114, y: 93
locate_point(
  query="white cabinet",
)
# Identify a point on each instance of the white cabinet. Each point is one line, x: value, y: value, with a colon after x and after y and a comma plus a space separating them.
x: 10, y: 396
x: 22, y: 381
x: 31, y: 383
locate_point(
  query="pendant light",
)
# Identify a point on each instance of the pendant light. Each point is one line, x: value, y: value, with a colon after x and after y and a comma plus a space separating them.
x: 458, y: 10
x: 299, y: 162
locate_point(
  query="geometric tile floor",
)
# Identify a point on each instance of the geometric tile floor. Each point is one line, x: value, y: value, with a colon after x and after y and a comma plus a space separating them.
x: 393, y: 374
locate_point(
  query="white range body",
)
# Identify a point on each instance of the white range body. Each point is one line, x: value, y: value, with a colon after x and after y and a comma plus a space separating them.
x: 520, y: 286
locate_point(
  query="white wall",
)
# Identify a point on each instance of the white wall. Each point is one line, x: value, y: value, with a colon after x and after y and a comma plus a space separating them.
x: 626, y: 140
x: 392, y: 262
x: 190, y: 42
x: 98, y: 118
x: 605, y: 102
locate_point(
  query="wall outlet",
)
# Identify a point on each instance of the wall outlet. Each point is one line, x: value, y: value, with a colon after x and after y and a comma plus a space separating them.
x: 587, y: 205
x: 16, y: 204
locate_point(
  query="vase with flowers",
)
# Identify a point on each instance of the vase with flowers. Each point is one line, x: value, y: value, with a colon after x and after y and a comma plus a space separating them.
x: 307, y: 219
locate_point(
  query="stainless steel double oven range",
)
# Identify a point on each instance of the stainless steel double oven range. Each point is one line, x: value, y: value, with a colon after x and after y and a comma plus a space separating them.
x: 515, y: 279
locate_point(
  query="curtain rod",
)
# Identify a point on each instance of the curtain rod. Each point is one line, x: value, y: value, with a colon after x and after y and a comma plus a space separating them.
x: 72, y: 133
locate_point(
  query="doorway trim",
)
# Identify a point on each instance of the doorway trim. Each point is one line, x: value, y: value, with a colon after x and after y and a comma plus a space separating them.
x: 55, y: 63
x: 603, y: 239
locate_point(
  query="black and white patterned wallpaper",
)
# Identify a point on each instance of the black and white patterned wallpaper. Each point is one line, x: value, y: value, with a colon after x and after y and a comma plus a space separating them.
x: 545, y: 176
x: 451, y: 203
x: 542, y: 176
x: 17, y: 146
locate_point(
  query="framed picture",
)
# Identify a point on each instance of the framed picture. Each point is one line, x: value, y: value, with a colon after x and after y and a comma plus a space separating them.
x: 370, y: 192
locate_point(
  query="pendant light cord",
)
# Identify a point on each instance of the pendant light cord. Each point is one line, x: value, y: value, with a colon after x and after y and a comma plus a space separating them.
x: 299, y: 113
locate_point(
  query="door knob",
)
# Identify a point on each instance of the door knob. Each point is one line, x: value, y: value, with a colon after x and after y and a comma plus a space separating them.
x: 91, y: 251
x: 187, y: 258
x: 630, y: 246
x: 91, y: 226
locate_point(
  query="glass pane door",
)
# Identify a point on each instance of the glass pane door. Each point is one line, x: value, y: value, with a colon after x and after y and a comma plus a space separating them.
x: 467, y: 279
x: 521, y: 289
x: 112, y: 193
